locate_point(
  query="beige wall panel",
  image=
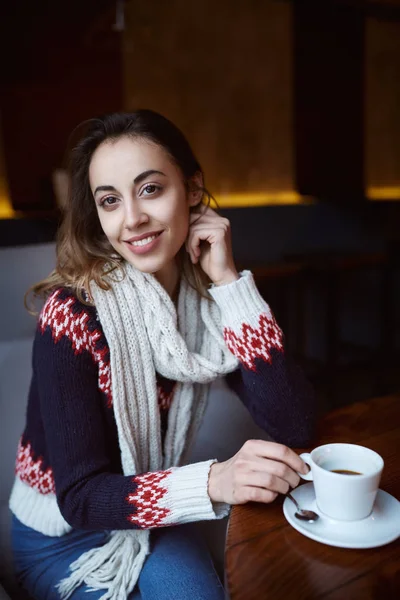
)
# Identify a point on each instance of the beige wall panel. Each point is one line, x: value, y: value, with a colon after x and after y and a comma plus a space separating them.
x: 222, y: 71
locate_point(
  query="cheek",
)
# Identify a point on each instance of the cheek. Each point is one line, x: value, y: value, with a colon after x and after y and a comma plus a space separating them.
x: 108, y: 224
x: 179, y: 215
x: 181, y: 226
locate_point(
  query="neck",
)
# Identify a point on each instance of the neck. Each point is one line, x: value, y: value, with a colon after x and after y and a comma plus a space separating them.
x: 169, y: 279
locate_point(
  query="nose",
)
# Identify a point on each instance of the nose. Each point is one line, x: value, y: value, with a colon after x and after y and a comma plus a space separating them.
x: 134, y: 215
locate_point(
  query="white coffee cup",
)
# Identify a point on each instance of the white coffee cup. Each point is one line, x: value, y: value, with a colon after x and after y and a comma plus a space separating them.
x: 341, y: 496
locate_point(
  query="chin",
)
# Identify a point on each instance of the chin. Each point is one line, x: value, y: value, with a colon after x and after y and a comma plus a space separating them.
x: 149, y: 265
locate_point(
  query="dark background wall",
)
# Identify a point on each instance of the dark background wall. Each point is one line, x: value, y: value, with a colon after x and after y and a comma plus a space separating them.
x: 281, y: 100
x: 275, y: 96
x: 60, y: 64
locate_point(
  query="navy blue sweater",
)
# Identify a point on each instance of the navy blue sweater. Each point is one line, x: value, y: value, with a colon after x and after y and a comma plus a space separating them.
x: 69, y: 447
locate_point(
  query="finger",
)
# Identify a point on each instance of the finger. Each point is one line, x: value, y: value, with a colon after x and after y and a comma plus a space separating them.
x: 214, y: 226
x: 203, y: 234
x: 193, y: 242
x: 188, y: 250
x: 282, y: 471
x: 267, y: 481
x: 198, y: 234
x: 192, y: 254
x: 278, y: 452
x: 254, y: 494
x: 272, y: 467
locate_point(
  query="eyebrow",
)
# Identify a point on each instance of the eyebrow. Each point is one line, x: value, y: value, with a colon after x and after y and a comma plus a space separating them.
x: 104, y: 188
x: 138, y: 179
x: 145, y: 174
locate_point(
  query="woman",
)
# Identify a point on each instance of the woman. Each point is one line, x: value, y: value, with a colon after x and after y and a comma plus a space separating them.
x: 144, y: 309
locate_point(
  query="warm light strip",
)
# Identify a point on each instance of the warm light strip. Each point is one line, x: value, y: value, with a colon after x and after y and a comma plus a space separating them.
x: 249, y: 199
x: 261, y: 199
x: 224, y: 200
x: 383, y: 193
x: 6, y: 210
x: 289, y: 197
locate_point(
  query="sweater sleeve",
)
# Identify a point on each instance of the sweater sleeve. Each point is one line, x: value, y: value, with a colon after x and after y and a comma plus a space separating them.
x: 270, y: 384
x: 81, y: 446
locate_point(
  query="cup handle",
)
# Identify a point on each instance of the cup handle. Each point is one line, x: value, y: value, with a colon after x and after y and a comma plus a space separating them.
x: 306, y: 456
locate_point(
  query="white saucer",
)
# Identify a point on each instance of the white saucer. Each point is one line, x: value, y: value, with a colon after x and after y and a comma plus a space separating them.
x: 381, y: 527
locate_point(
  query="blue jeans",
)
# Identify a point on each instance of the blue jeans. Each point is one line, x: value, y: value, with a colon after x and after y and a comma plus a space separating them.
x: 178, y: 567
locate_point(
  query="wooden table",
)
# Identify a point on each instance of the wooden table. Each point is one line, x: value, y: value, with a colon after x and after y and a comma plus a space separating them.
x: 265, y: 558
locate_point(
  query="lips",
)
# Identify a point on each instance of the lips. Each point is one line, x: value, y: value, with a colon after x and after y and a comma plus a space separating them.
x: 145, y: 243
x: 143, y: 236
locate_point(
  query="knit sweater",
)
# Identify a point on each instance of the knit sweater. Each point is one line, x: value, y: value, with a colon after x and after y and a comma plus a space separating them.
x: 70, y: 444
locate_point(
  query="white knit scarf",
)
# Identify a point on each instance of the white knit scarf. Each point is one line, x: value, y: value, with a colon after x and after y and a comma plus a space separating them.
x: 146, y: 335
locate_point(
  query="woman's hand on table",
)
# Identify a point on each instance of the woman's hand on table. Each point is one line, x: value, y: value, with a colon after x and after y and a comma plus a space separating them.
x: 257, y: 473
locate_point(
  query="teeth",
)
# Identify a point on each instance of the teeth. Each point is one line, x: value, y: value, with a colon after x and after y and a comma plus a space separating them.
x: 144, y: 241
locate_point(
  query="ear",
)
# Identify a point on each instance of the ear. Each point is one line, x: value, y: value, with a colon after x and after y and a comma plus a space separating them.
x: 196, y: 186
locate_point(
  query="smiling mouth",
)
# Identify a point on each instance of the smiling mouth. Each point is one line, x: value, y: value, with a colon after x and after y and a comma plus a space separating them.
x: 145, y: 241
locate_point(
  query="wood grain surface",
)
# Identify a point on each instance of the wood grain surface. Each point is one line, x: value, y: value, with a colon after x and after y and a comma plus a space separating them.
x: 266, y: 558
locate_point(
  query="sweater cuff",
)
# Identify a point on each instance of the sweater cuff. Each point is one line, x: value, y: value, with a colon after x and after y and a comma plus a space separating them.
x: 187, y: 496
x: 173, y: 497
x: 240, y: 301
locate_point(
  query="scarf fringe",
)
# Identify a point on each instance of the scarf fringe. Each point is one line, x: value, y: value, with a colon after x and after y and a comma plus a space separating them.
x: 114, y: 567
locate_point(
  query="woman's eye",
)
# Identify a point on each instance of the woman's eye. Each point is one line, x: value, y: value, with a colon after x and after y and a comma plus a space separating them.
x: 108, y: 201
x: 150, y: 188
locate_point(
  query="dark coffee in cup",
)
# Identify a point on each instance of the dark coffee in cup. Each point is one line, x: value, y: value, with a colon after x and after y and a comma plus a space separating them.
x: 345, y: 472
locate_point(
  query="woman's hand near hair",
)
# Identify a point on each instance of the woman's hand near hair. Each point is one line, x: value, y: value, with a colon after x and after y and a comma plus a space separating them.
x: 257, y: 473
x: 209, y: 243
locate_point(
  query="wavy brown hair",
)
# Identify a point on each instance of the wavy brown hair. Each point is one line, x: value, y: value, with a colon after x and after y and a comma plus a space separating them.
x: 84, y: 253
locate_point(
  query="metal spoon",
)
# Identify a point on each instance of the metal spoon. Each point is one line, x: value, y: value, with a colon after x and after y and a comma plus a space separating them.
x: 303, y: 515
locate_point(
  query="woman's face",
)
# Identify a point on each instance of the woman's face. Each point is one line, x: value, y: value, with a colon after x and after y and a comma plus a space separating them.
x: 142, y: 203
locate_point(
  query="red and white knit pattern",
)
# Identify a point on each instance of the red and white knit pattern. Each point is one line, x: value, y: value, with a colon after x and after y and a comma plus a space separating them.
x: 175, y: 496
x: 57, y: 314
x: 101, y: 357
x: 255, y: 342
x: 30, y: 470
x: 146, y: 497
